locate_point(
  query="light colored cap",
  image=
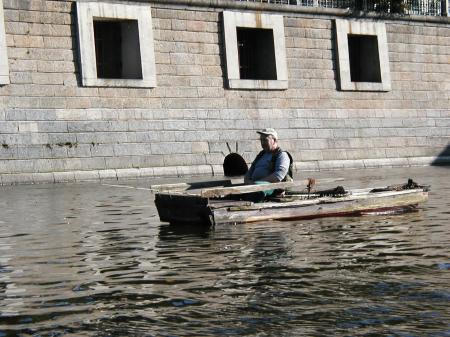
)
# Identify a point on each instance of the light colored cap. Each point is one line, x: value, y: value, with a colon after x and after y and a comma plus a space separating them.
x: 268, y: 132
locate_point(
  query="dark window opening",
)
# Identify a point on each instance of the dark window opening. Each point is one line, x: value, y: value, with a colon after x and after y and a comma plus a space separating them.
x: 117, y: 49
x: 364, y: 58
x: 256, y: 54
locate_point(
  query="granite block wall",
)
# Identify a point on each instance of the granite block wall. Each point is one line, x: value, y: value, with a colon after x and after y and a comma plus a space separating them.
x: 54, y: 129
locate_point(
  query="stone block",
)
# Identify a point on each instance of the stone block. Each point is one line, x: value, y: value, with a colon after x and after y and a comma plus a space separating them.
x: 78, y: 103
x: 55, y: 67
x: 146, y: 172
x: 16, y: 178
x: 127, y: 173
x: 43, y: 178
x: 51, y: 54
x: 307, y: 166
x: 208, y: 16
x: 8, y: 152
x: 30, y: 152
x: 81, y: 164
x: 10, y: 15
x: 9, y: 127
x: 170, y: 148
x: 184, y: 125
x: 179, y: 25
x: 210, y: 92
x: 425, y: 161
x: 245, y: 124
x: 217, y: 170
x: 132, y: 149
x: 146, y: 161
x: 23, y: 65
x: 107, y: 174
x: 204, y: 170
x: 64, y: 177
x: 309, y: 155
x: 28, y: 41
x: 47, y: 78
x: 334, y: 154
x: 102, y: 150
x: 51, y: 103
x: 58, y: 42
x: 200, y: 26
x: 330, y: 164
x: 374, y: 163
x: 165, y: 171
x: 200, y: 147
x: 20, y: 78
x: 61, y: 139
x: 187, y: 70
x: 317, y: 144
x: 86, y: 175
x: 353, y: 164
x: 79, y: 151
x: 59, y: 7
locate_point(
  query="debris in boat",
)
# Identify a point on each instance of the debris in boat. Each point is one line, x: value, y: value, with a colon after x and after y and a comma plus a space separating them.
x: 336, y: 192
x: 410, y: 185
x: 311, y: 183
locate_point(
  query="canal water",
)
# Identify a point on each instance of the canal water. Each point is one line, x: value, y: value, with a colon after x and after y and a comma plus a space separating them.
x: 93, y: 259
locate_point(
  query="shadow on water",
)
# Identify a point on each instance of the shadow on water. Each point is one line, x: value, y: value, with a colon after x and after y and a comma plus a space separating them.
x: 443, y: 159
x: 174, y: 232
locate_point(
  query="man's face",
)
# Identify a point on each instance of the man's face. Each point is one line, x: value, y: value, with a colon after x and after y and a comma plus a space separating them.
x: 268, y: 143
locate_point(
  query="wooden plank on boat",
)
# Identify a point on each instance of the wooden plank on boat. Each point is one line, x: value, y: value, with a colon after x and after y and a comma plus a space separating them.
x: 224, y: 191
x: 321, y: 207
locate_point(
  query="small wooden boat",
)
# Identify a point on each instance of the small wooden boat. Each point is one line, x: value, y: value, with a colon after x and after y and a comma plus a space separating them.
x: 220, y: 202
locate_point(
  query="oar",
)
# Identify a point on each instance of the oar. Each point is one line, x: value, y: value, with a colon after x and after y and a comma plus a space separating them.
x: 190, y: 186
x: 224, y: 191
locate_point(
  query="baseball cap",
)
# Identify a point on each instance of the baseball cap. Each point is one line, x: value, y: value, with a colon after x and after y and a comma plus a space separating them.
x: 268, y: 132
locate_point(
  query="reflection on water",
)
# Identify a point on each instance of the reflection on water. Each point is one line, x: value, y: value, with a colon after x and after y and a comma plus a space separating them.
x: 94, y: 260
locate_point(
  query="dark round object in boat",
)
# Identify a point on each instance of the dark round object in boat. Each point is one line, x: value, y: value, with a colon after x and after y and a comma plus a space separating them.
x: 234, y: 165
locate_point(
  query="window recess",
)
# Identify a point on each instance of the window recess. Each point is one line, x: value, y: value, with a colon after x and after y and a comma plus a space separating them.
x: 256, y: 54
x: 255, y: 51
x: 362, y: 56
x: 116, y: 44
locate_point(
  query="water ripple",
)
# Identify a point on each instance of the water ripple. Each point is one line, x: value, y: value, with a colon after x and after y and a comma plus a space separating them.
x: 92, y: 260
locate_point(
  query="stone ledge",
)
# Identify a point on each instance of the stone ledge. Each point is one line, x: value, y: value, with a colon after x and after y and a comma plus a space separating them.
x: 208, y: 170
x: 282, y: 8
x: 325, y: 165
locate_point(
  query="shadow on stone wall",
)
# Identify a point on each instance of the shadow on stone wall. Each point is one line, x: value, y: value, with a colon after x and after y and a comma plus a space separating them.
x: 75, y: 45
x: 443, y: 159
x: 335, y: 56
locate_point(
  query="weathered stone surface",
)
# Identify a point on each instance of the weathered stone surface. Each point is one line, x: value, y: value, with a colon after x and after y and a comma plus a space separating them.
x: 50, y: 123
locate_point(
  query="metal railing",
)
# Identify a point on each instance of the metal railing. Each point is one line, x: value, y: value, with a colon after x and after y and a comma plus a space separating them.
x: 411, y: 7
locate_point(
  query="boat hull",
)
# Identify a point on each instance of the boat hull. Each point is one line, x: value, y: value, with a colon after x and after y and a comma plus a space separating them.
x: 189, y: 209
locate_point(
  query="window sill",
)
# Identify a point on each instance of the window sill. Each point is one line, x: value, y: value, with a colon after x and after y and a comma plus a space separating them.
x: 365, y: 86
x: 124, y: 83
x: 258, y: 84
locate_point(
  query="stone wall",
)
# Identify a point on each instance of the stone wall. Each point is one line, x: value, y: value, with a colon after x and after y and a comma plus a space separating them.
x: 54, y: 129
